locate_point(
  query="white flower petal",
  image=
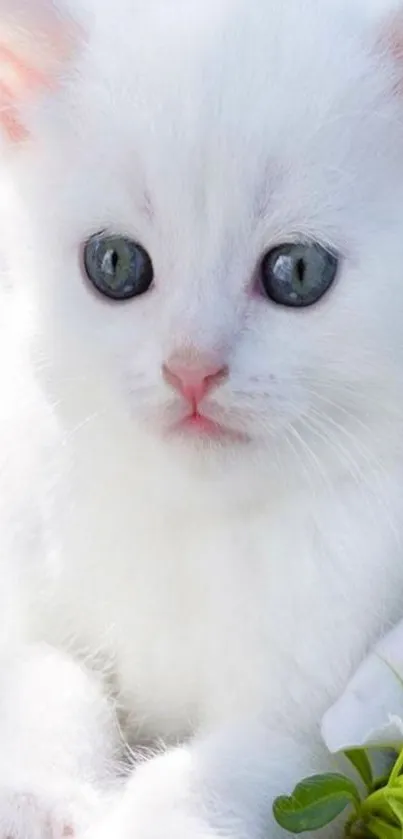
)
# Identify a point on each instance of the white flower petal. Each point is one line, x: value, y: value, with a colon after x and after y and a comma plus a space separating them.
x: 370, y: 711
x: 391, y: 649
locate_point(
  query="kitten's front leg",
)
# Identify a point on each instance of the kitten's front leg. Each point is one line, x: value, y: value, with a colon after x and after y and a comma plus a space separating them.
x: 58, y: 745
x: 223, y: 785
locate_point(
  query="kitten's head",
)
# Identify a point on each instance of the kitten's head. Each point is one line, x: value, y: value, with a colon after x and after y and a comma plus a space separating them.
x: 210, y: 211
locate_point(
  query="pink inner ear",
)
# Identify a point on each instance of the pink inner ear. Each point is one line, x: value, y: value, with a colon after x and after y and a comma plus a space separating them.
x: 29, y: 65
x: 12, y: 125
x: 391, y: 41
x: 23, y: 79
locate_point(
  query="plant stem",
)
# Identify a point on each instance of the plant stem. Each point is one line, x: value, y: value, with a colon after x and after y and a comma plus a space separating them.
x: 396, y: 770
x: 368, y: 803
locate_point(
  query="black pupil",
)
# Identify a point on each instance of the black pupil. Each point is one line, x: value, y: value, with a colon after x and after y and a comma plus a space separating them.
x: 114, y: 260
x: 300, y: 268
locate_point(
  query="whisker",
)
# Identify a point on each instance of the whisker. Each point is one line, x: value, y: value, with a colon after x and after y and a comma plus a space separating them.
x: 314, y: 459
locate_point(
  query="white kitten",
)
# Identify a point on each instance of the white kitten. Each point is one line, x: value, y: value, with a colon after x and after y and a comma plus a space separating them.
x: 201, y: 480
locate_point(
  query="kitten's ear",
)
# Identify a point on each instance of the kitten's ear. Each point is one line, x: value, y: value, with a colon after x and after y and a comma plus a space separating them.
x: 391, y: 35
x: 390, y: 40
x: 36, y: 38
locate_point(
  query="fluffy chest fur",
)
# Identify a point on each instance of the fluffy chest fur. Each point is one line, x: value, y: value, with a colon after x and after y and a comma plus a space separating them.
x: 213, y: 613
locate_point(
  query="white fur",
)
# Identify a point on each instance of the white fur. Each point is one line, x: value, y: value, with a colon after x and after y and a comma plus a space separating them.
x: 216, y: 596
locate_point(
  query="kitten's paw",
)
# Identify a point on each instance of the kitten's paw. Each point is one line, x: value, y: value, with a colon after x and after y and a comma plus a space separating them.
x: 27, y: 813
x: 157, y: 802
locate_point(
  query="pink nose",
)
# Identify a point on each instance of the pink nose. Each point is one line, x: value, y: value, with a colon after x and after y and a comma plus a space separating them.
x: 193, y: 377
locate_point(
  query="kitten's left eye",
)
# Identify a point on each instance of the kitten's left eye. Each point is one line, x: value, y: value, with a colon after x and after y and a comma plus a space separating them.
x: 117, y: 266
x: 297, y: 274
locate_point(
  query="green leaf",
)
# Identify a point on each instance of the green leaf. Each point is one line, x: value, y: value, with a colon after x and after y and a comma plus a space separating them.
x: 395, y: 792
x: 381, y: 782
x: 397, y: 783
x: 315, y: 802
x: 359, y: 759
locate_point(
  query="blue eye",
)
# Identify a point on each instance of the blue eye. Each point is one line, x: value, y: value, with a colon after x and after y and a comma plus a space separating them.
x: 118, y: 267
x: 298, y: 275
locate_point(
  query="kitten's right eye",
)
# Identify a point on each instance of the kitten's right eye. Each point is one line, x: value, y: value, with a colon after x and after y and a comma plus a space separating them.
x: 117, y: 266
x: 298, y: 275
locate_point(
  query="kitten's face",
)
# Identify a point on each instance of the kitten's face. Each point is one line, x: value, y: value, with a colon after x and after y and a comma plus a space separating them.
x: 211, y: 136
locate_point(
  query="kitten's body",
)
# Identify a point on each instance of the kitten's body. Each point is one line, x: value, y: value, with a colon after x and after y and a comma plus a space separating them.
x: 223, y: 588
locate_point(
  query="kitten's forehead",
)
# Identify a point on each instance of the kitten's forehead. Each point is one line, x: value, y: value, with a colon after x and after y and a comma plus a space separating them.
x: 229, y: 72
x: 210, y: 109
x: 231, y: 46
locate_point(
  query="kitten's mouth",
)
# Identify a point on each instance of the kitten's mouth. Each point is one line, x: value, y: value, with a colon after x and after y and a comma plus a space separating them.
x: 200, y: 424
x: 203, y: 427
